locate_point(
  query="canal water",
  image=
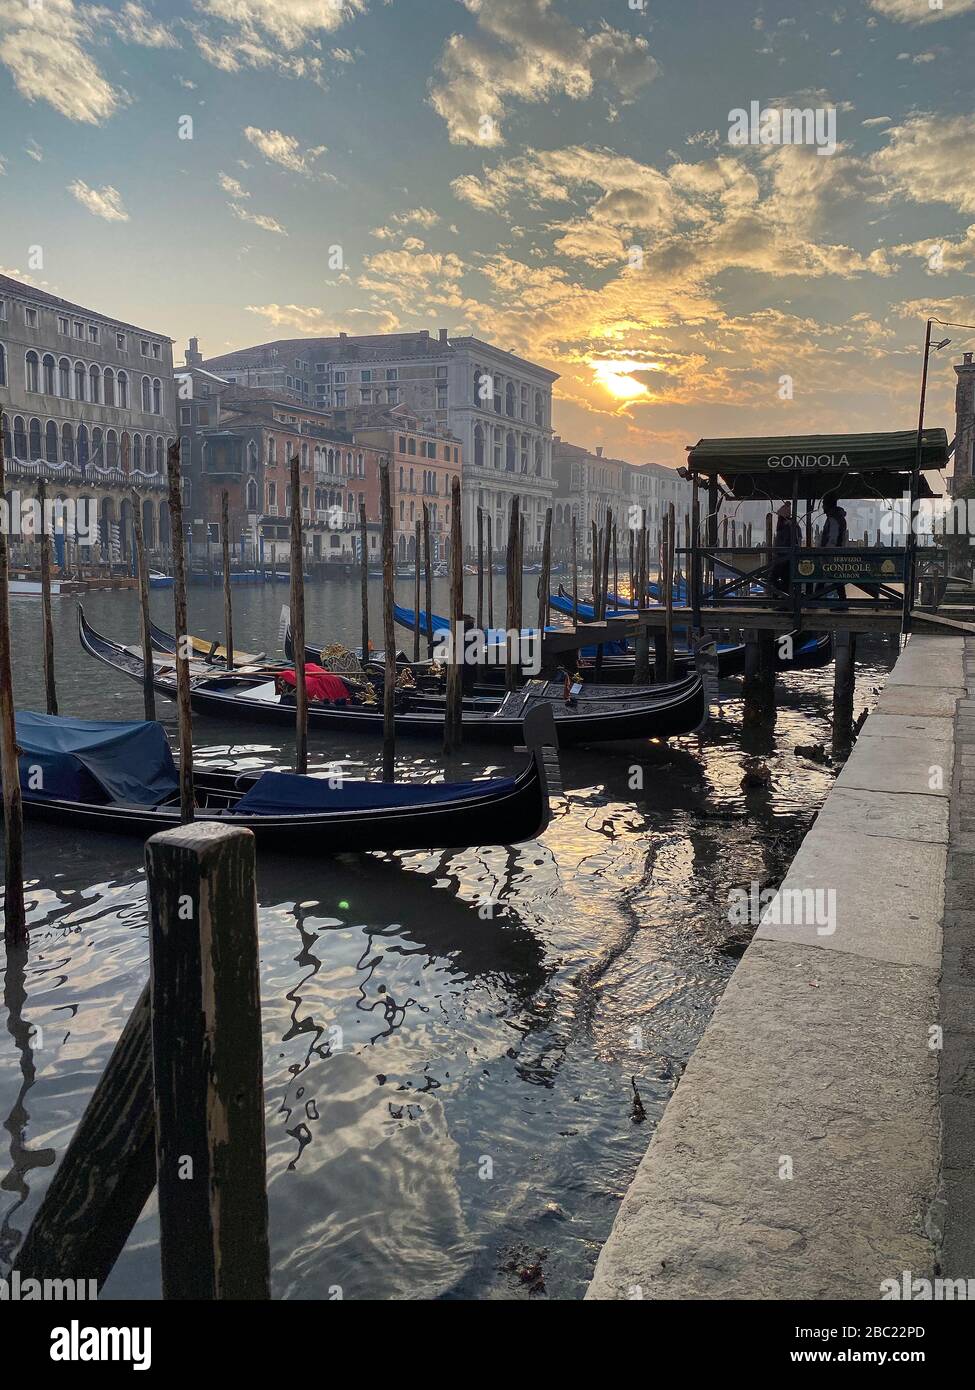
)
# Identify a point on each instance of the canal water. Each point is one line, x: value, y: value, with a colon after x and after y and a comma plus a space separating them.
x: 465, y: 1054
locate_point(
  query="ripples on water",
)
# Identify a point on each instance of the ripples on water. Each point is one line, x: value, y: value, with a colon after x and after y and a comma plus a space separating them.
x: 428, y: 1018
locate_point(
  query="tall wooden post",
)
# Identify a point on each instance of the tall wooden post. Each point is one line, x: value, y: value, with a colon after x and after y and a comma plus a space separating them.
x: 453, y: 720
x: 669, y: 587
x: 389, y: 631
x: 511, y: 617
x: 844, y: 673
x: 633, y: 602
x: 364, y: 579
x: 228, y: 607
x: 575, y: 574
x: 490, y: 569
x: 208, y: 1064
x: 417, y: 541
x: 758, y: 685
x: 595, y: 569
x: 546, y: 575
x: 616, y: 570
x: 14, y: 909
x: 641, y: 667
x: 186, y: 798
x: 46, y: 620
x: 603, y: 586
x: 297, y: 557
x: 480, y: 569
x: 142, y: 566
x: 427, y: 574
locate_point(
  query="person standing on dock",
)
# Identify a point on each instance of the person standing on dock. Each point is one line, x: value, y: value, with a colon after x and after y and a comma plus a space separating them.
x: 835, y: 536
x: 786, y: 535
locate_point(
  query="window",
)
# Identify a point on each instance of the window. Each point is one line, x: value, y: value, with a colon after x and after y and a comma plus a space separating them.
x: 340, y: 398
x: 108, y: 386
x: 122, y: 381
x: 441, y: 397
x: 442, y: 372
x: 509, y: 400
x: 402, y: 443
x: 366, y: 374
x: 392, y: 395
x: 3, y: 365
x: 20, y: 437
x: 3, y: 308
x: 146, y: 394
x: 538, y: 407
x: 251, y: 495
x: 366, y: 396
x: 160, y: 456
x: 156, y: 350
x: 67, y: 443
x: 34, y: 442
x: 186, y: 415
x: 33, y: 383
x: 82, y: 446
x: 479, y: 446
x: 51, y: 442
x: 509, y: 453
x: 120, y: 341
x: 94, y: 384
x: 411, y: 446
x: 63, y: 324
x: 79, y: 329
x: 97, y: 454
x: 144, y: 348
x: 80, y: 377
x: 47, y: 374
x: 392, y: 373
x: 339, y: 378
x: 137, y: 451
x: 93, y: 333
x: 30, y: 317
x: 157, y: 396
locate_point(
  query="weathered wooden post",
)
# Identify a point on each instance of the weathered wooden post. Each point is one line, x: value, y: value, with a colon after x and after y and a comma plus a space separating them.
x: 616, y: 569
x: 595, y: 569
x: 364, y: 579
x: 490, y: 570
x: 228, y: 608
x: 669, y: 553
x: 844, y: 679
x: 641, y: 645
x: 417, y: 541
x: 297, y: 558
x: 207, y: 1063
x: 633, y: 600
x: 511, y: 616
x: 453, y: 720
x: 427, y: 573
x: 142, y: 567
x: 480, y: 569
x: 602, y: 585
x: 545, y: 579
x: 389, y: 631
x: 758, y: 685
x: 50, y: 689
x: 575, y: 575
x: 186, y: 796
x: 14, y: 910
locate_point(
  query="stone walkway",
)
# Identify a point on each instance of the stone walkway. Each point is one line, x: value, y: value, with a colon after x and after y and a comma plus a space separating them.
x: 958, y: 999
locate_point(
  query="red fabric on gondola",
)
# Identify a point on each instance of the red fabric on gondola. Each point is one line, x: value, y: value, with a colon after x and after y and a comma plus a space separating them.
x: 319, y: 683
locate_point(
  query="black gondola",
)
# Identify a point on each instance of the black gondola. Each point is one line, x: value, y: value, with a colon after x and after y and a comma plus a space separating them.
x: 120, y: 778
x: 674, y: 708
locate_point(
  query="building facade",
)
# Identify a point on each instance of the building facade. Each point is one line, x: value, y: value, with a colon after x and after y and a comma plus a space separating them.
x: 496, y: 405
x: 88, y: 404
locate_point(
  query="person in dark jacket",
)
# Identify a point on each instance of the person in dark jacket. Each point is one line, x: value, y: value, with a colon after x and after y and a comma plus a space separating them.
x: 786, y: 534
x: 835, y: 536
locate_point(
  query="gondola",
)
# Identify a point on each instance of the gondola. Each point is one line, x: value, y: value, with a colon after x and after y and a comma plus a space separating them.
x: 121, y: 778
x: 211, y: 652
x: 674, y: 708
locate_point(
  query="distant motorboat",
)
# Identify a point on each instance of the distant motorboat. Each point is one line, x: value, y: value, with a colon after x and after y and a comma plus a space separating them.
x: 160, y: 581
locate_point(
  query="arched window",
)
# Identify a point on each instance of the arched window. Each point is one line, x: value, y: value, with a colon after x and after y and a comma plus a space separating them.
x: 122, y: 382
x: 509, y: 452
x: 251, y: 459
x: 51, y: 440
x: 97, y: 448
x: 137, y: 451
x: 108, y: 386
x: 184, y: 451
x: 20, y: 437
x: 509, y: 399
x: 31, y: 367
x: 3, y: 365
x: 496, y: 459
x: 478, y: 446
x: 111, y: 449
x: 82, y: 445
x: 67, y: 443
x: 64, y: 378
x: 304, y: 455
x: 496, y: 382
x: 156, y: 396
x: 251, y: 494
x: 538, y: 408
x: 270, y: 449
x: 524, y: 453
x: 80, y: 377
x: 94, y: 384
x: 160, y: 455
x: 47, y: 374
x: 538, y: 458
x: 34, y: 441
x: 8, y: 446
x: 146, y: 394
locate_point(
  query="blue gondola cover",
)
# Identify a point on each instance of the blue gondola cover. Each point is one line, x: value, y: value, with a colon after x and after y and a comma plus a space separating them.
x: 288, y: 793
x: 94, y: 761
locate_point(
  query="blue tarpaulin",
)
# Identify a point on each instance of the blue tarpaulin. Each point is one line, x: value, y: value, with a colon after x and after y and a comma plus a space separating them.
x: 286, y: 793
x: 94, y: 760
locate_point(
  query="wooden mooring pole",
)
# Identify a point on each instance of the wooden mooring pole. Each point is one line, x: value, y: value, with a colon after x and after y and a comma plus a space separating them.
x: 228, y: 605
x: 575, y: 575
x: 389, y: 631
x: 50, y: 690
x: 184, y: 714
x: 758, y: 685
x: 490, y: 571
x: 207, y: 1057
x: 844, y: 679
x: 417, y: 542
x: 545, y: 579
x: 14, y: 909
x: 669, y: 553
x: 364, y: 579
x: 427, y: 575
x: 297, y: 558
x: 511, y: 616
x: 641, y: 644
x: 142, y: 567
x: 453, y: 720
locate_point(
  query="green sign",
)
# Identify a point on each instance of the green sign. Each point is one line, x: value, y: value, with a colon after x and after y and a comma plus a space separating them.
x: 847, y: 567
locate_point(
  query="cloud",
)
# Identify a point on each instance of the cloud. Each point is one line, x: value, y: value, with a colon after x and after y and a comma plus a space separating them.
x: 135, y: 24
x: 34, y: 151
x: 919, y: 11
x: 232, y: 186
x: 927, y: 160
x: 418, y: 217
x: 43, y: 48
x: 290, y: 22
x: 103, y: 202
x: 285, y: 150
x: 526, y: 50
x: 317, y: 322
x: 258, y: 219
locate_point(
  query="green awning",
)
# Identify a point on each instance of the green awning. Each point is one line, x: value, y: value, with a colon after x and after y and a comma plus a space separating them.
x: 824, y: 464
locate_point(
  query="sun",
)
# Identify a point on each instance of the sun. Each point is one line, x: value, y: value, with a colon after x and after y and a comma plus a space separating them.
x: 615, y: 376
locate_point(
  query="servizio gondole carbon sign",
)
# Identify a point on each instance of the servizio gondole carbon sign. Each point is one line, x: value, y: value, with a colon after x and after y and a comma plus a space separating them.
x: 847, y: 567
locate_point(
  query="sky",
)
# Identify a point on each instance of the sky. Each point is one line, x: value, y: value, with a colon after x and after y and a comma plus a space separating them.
x: 559, y: 177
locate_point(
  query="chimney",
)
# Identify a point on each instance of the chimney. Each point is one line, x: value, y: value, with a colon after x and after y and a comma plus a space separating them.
x: 343, y: 337
x: 443, y: 335
x: 599, y: 451
x: 424, y: 334
x: 194, y: 358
